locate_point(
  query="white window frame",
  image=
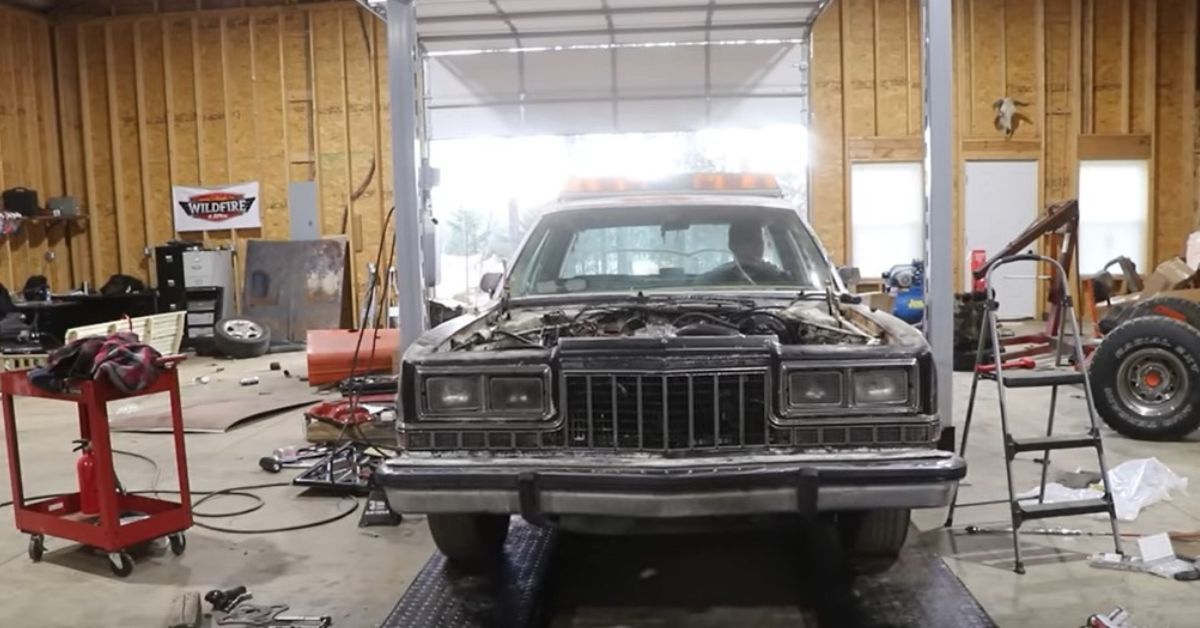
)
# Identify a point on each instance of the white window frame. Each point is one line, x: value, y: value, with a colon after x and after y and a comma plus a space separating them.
x: 906, y: 226
x: 1108, y: 202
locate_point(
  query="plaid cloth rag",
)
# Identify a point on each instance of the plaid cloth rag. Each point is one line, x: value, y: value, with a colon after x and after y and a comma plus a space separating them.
x: 128, y: 364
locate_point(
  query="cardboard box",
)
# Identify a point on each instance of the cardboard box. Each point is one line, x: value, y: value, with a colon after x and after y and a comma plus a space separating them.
x: 1172, y: 274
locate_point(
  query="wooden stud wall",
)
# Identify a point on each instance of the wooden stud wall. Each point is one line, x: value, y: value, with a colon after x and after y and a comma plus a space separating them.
x: 267, y: 94
x: 1101, y: 79
x: 865, y: 100
x: 298, y: 93
x: 29, y: 148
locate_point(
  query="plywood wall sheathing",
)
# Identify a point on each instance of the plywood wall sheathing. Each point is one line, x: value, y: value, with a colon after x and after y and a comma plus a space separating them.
x: 272, y: 95
x: 1112, y: 79
x: 299, y: 93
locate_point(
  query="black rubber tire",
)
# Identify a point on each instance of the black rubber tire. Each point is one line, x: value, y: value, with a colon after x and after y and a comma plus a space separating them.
x: 239, y: 347
x: 1113, y: 318
x: 873, y: 538
x: 124, y: 568
x: 178, y: 543
x: 471, y: 542
x: 1146, y: 332
x: 1171, y: 307
x: 37, y: 547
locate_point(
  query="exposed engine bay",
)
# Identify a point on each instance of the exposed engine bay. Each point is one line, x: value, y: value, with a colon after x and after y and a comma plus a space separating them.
x: 801, y: 322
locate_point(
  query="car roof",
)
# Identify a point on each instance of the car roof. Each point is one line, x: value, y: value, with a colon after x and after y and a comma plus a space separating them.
x: 670, y: 200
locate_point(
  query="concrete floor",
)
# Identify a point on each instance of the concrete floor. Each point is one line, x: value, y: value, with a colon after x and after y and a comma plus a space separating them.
x: 357, y: 575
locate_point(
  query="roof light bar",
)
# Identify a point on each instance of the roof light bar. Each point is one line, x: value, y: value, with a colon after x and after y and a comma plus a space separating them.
x: 703, y: 182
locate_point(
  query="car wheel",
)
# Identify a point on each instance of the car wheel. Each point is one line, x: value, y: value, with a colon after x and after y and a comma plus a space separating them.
x: 1145, y: 378
x: 872, y: 539
x: 471, y: 542
x: 241, y: 338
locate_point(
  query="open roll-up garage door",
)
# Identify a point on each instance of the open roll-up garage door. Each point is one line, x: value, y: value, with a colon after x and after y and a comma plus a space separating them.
x: 566, y: 67
x: 616, y: 90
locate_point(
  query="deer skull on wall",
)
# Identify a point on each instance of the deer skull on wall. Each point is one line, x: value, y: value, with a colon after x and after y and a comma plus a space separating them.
x: 1007, y: 116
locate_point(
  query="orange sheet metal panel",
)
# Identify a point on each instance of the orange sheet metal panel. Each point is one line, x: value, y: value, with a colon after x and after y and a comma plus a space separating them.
x: 331, y: 353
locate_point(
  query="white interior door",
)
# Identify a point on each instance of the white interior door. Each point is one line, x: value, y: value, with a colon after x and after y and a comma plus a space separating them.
x: 1001, y: 201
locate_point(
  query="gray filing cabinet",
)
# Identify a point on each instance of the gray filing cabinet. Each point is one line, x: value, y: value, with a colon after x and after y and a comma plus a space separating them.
x: 211, y: 268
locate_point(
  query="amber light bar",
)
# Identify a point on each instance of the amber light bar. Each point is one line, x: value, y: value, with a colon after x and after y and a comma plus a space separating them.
x: 730, y: 183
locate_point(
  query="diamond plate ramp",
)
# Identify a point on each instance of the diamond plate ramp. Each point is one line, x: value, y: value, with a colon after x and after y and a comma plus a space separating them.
x: 440, y: 597
x: 764, y: 579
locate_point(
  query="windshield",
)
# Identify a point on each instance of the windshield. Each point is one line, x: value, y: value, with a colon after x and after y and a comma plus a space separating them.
x: 663, y: 248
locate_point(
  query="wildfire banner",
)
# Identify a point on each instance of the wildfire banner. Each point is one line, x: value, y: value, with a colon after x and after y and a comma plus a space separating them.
x: 208, y: 209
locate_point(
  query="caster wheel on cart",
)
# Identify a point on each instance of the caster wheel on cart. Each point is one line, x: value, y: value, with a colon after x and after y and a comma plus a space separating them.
x: 37, y: 547
x: 121, y: 564
x: 178, y: 543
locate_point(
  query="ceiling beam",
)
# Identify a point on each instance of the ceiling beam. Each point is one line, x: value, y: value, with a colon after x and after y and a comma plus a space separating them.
x: 641, y: 30
x: 615, y: 11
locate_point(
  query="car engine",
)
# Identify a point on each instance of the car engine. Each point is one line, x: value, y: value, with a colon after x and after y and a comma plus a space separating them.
x: 801, y: 323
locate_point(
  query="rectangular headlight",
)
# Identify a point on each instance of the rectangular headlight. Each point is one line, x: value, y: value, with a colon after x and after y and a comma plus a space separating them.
x: 516, y: 394
x: 881, y: 386
x: 815, y: 388
x: 454, y: 394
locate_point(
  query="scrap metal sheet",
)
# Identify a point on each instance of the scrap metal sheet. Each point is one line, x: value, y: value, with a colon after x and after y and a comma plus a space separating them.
x: 294, y: 286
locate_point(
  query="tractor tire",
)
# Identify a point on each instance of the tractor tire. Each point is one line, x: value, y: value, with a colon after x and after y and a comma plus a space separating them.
x: 241, y: 338
x: 471, y: 542
x: 1145, y: 378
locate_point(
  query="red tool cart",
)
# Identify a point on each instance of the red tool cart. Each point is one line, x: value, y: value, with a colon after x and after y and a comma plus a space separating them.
x: 120, y: 520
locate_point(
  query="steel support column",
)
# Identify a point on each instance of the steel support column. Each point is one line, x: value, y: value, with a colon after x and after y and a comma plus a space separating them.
x: 939, y: 219
x: 402, y: 46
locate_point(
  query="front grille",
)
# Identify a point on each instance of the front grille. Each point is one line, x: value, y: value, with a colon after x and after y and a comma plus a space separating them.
x: 665, y: 411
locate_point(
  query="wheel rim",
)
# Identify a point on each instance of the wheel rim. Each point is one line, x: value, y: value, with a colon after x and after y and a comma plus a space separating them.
x: 1153, y: 382
x: 243, y: 329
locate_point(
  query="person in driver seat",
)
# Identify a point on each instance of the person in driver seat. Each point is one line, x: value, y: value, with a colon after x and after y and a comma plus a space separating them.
x: 748, y: 265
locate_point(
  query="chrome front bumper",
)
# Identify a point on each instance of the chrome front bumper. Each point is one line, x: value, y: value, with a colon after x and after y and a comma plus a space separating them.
x: 656, y: 487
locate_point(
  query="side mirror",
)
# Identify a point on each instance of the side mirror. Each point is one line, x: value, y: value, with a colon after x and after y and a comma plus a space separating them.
x: 849, y: 275
x: 489, y: 282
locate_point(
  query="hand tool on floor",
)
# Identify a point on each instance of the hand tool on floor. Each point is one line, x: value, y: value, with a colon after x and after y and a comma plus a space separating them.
x: 252, y: 615
x: 324, y: 621
x: 292, y: 458
x: 224, y: 601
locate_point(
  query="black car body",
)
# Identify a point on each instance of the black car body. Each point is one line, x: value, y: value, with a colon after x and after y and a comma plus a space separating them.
x: 658, y: 393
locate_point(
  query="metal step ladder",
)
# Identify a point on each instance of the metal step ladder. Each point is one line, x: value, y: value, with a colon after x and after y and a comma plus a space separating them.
x: 1060, y: 373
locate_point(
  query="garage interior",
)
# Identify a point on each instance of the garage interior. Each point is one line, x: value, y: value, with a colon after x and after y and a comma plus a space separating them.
x: 916, y: 138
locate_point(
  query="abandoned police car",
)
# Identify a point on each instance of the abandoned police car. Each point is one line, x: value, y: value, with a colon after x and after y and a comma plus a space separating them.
x: 665, y: 358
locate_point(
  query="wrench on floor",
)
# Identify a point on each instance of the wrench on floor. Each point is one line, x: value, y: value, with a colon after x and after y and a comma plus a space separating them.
x: 324, y: 621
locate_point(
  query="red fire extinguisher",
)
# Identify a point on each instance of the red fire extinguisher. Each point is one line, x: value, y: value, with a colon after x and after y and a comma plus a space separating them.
x: 85, y: 473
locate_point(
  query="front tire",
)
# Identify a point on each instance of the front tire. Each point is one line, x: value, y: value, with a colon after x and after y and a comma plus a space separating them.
x: 872, y: 539
x: 1146, y: 378
x: 471, y: 542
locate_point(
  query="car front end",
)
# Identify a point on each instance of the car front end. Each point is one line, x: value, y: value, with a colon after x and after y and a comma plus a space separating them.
x: 566, y: 399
